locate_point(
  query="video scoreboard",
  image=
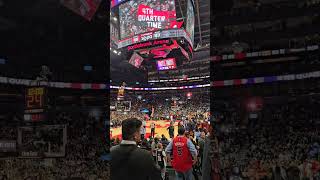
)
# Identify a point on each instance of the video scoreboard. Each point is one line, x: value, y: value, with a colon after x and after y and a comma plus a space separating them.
x: 35, y: 104
x: 166, y: 64
x: 151, y: 33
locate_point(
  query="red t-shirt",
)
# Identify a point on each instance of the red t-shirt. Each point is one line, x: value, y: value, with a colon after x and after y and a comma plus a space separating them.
x: 182, y: 159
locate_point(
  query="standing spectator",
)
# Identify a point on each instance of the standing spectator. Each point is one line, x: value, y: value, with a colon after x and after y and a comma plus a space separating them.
x: 197, y: 133
x: 235, y: 174
x: 154, y: 148
x: 164, y: 140
x: 171, y: 130
x: 180, y: 124
x: 153, y: 128
x: 184, y: 155
x: 209, y: 164
x: 305, y: 170
x: 201, y: 146
x: 130, y: 162
x: 196, y: 168
x: 279, y: 172
x: 161, y: 160
x: 143, y: 131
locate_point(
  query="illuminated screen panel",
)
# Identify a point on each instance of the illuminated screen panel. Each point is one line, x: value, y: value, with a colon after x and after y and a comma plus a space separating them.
x: 35, y: 98
x: 84, y: 8
x: 190, y: 20
x: 35, y: 104
x: 136, y: 60
x: 140, y: 16
x: 161, y: 34
x: 114, y: 33
x: 166, y: 64
x: 116, y: 2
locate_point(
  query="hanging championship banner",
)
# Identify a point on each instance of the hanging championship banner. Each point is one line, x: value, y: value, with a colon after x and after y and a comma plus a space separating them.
x: 121, y: 91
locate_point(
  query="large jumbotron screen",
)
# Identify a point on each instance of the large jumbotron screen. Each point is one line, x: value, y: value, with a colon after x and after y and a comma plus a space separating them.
x: 190, y: 20
x: 140, y: 16
x: 137, y: 21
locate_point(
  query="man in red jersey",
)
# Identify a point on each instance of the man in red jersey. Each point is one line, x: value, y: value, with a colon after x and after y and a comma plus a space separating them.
x: 184, y: 155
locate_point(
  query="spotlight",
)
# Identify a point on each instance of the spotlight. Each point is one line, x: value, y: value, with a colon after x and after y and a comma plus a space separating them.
x: 252, y: 106
x: 189, y: 95
x: 119, y: 53
x: 115, y: 51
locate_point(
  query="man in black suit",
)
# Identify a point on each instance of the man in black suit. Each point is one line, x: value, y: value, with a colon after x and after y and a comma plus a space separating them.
x: 128, y: 162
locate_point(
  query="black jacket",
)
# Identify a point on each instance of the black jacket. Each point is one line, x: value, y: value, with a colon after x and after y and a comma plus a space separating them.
x: 128, y: 162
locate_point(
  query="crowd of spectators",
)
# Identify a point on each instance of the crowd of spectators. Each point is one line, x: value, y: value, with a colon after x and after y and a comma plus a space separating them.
x: 304, y: 62
x: 282, y: 143
x: 85, y: 145
x: 196, y: 131
x: 261, y: 25
x: 163, y: 104
x: 258, y: 12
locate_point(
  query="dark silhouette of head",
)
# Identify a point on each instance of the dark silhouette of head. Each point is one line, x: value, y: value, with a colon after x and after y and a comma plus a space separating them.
x: 131, y: 129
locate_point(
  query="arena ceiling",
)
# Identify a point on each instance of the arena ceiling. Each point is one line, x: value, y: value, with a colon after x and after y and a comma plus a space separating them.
x: 202, y: 20
x: 50, y: 16
x: 43, y: 31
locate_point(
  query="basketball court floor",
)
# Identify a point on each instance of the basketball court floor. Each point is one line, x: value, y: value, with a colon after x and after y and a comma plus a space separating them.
x: 161, y: 128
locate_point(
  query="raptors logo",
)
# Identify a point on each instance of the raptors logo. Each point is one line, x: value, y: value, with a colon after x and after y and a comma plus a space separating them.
x: 162, y: 52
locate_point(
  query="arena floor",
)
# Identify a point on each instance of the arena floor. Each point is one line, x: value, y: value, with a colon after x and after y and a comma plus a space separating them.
x: 161, y: 128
